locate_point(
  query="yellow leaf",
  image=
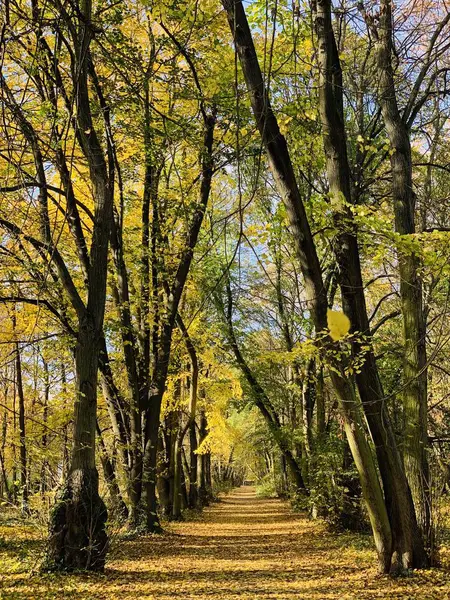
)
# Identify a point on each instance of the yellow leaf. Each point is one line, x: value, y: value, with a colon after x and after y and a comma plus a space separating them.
x: 338, y: 324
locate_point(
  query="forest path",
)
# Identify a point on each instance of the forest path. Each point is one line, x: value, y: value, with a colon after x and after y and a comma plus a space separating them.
x: 242, y: 548
x: 250, y: 548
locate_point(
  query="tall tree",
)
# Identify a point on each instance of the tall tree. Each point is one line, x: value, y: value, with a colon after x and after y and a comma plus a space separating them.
x: 77, y: 532
x: 411, y: 289
x: 78, y: 537
x: 408, y: 548
x: 24, y: 483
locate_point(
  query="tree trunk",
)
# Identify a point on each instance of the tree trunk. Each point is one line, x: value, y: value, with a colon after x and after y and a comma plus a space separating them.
x: 185, y: 484
x: 162, y: 481
x: 4, y: 430
x: 65, y: 453
x: 283, y: 485
x: 78, y: 538
x: 407, y: 546
x: 177, y: 480
x: 149, y: 471
x: 123, y: 304
x: 208, y: 476
x: 193, y: 467
x: 190, y: 426
x: 320, y: 405
x: 109, y: 472
x: 308, y: 399
x: 14, y: 437
x: 159, y: 376
x: 43, y: 482
x: 203, y: 496
x: 414, y: 329
x: 22, y: 430
x: 121, y: 421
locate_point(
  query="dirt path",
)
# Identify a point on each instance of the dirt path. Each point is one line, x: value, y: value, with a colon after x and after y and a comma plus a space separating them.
x: 241, y: 547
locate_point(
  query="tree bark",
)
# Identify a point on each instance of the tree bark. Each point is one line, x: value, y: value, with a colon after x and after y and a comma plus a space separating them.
x: 203, y: 494
x: 109, y: 473
x: 163, y: 467
x: 193, y: 467
x: 65, y: 453
x: 43, y: 482
x: 159, y: 377
x: 177, y: 503
x: 78, y: 538
x: 4, y: 429
x: 190, y: 425
x: 22, y: 427
x: 308, y: 400
x: 320, y: 404
x: 415, y: 442
x: 407, y: 546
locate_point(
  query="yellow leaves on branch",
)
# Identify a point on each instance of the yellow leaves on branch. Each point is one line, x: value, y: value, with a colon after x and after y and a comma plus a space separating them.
x: 338, y: 324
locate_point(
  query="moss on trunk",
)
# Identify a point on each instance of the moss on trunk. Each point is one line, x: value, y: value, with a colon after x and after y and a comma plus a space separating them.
x: 78, y: 539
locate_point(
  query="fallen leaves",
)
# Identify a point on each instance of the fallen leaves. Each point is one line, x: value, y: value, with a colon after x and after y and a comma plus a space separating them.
x: 242, y: 547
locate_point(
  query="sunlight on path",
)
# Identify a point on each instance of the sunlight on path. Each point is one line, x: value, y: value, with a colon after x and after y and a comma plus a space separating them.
x: 242, y: 547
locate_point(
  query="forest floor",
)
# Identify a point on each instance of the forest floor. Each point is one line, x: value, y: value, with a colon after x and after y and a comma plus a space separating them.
x: 241, y: 547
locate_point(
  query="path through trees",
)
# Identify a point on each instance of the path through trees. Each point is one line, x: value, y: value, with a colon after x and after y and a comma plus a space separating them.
x: 224, y: 258
x: 242, y: 547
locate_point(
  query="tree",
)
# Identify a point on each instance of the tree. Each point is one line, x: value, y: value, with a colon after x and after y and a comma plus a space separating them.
x: 407, y: 544
x: 415, y: 362
x: 78, y: 538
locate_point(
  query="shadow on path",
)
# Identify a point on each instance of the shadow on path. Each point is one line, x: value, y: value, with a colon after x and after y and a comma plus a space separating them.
x: 242, y: 548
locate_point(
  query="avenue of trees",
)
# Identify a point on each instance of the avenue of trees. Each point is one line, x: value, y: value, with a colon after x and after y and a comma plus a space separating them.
x: 224, y: 256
